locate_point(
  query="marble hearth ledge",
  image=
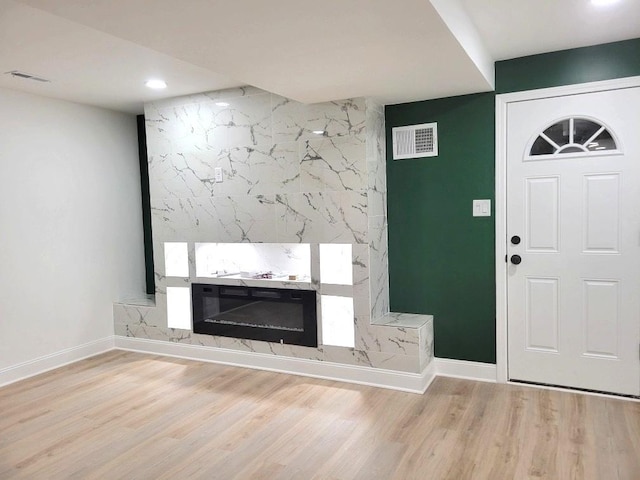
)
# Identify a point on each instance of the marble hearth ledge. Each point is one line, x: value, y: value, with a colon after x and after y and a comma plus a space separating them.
x: 412, y: 323
x: 387, y: 346
x: 407, y: 320
x: 140, y: 301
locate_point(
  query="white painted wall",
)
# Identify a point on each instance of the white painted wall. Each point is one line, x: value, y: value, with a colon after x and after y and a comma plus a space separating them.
x: 70, y: 224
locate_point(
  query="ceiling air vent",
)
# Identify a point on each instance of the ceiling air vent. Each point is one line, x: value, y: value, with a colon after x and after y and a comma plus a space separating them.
x: 26, y: 76
x: 415, y: 141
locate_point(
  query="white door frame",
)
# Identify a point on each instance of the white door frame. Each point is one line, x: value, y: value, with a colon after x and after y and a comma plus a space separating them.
x: 502, y: 102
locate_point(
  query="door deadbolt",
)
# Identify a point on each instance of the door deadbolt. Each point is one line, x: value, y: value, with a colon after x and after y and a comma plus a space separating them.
x: 515, y: 240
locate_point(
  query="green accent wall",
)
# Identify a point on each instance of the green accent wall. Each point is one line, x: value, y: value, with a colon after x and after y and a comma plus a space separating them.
x: 441, y: 258
x: 568, y: 67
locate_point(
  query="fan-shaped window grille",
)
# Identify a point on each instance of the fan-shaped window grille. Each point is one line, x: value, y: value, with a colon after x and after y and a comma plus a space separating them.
x: 573, y: 135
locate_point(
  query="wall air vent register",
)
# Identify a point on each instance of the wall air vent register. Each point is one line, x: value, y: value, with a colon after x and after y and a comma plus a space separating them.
x: 415, y: 141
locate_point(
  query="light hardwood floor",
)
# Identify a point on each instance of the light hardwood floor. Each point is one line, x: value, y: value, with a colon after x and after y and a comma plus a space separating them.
x: 124, y: 415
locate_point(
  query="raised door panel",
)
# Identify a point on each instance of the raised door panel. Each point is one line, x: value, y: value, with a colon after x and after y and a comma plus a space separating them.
x: 601, y: 227
x: 601, y: 318
x: 542, y: 214
x: 541, y: 314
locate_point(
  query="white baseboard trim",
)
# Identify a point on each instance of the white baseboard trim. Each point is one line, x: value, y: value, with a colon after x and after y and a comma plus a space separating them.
x: 406, y: 382
x: 375, y: 377
x: 484, y: 372
x: 55, y: 360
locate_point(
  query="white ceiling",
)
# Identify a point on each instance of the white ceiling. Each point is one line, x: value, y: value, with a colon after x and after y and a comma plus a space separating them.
x: 101, y: 52
x: 516, y: 28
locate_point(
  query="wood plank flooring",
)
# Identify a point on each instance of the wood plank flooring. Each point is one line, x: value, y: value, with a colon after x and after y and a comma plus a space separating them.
x: 124, y: 415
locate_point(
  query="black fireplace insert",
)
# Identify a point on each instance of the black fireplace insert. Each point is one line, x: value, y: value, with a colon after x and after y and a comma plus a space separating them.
x: 255, y: 313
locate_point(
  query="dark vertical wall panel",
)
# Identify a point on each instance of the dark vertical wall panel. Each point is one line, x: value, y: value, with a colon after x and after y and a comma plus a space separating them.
x: 146, y: 206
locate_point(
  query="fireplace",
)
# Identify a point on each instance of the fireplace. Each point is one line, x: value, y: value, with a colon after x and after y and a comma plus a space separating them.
x: 255, y: 313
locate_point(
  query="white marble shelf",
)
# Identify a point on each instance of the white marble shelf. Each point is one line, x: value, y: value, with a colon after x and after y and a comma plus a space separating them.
x: 278, y: 282
x: 406, y: 320
x: 142, y: 301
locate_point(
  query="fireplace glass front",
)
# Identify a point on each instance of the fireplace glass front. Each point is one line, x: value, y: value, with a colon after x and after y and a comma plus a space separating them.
x: 256, y: 313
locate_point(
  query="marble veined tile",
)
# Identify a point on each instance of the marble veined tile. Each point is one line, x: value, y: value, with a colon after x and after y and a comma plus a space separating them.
x: 333, y: 163
x: 215, y: 219
x: 379, y: 266
x: 394, y: 361
x: 380, y: 296
x: 140, y: 300
x: 182, y: 127
x: 263, y: 170
x: 345, y: 355
x: 377, y: 203
x: 137, y: 315
x: 175, y: 219
x: 241, y: 219
x: 410, y: 320
x: 427, y: 353
x: 297, y: 121
x: 184, y: 175
x: 375, y: 133
x: 154, y: 333
x: 188, y: 128
x: 377, y: 175
x: 361, y: 277
x: 269, y: 348
x: 324, y: 217
x: 249, y: 121
x: 389, y: 339
x: 297, y: 351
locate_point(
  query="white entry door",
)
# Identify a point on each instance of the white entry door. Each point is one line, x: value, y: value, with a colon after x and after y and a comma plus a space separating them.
x: 573, y: 240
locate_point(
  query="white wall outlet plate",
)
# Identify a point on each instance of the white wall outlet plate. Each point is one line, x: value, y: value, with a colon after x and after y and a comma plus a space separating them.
x: 482, y: 208
x: 218, y: 174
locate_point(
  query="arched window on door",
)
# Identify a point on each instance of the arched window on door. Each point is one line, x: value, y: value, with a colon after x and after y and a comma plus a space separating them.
x: 573, y: 135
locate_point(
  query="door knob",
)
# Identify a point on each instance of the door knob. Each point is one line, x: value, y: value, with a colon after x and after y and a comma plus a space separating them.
x: 516, y: 259
x: 515, y: 240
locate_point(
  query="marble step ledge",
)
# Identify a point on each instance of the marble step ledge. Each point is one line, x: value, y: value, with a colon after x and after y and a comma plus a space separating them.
x: 414, y: 327
x: 141, y: 301
x: 405, y: 320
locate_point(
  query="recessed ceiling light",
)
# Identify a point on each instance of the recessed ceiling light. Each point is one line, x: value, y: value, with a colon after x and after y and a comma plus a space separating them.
x: 603, y: 3
x: 156, y: 84
x: 319, y: 132
x: 222, y: 104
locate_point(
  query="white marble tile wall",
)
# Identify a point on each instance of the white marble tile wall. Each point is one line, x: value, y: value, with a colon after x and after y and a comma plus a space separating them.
x: 292, y: 173
x: 213, y: 259
x: 293, y: 121
x: 377, y: 196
